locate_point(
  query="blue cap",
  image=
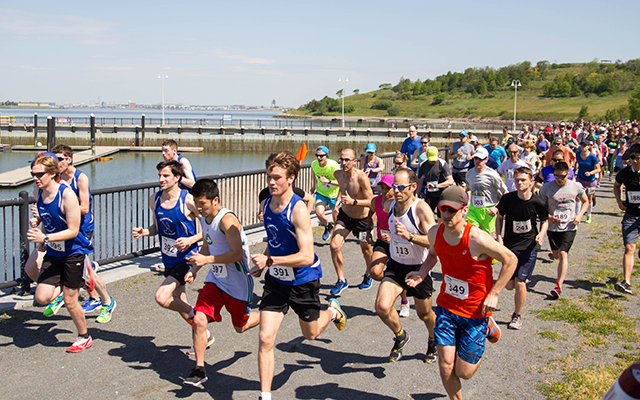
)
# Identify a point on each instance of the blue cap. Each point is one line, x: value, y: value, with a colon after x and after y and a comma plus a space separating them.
x: 464, y: 133
x: 46, y: 153
x: 371, y: 148
x: 323, y: 148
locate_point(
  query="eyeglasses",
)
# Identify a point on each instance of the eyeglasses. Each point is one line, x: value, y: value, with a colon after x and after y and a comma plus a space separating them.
x: 447, y: 209
x: 38, y: 174
x: 345, y: 160
x: 561, y: 176
x: 400, y: 187
x: 513, y: 152
x: 558, y: 160
x: 398, y: 162
x: 424, y: 142
x: 63, y: 158
x: 634, y: 156
x: 320, y: 155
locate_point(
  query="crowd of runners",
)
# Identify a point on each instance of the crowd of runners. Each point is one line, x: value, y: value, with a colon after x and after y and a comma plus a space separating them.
x: 486, y: 204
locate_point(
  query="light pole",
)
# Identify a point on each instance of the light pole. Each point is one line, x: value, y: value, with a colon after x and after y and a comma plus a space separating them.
x: 515, y: 83
x: 343, y: 80
x: 163, y: 77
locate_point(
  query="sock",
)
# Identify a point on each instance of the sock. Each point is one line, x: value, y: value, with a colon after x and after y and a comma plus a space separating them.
x: 265, y: 395
x: 107, y: 303
x: 590, y: 208
x: 401, y: 335
x: 334, y: 313
x: 192, y: 313
x: 431, y: 340
x: 85, y: 336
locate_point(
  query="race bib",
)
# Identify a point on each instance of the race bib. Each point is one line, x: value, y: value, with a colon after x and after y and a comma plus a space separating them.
x: 612, y: 151
x: 434, y: 188
x: 522, y: 226
x: 362, y: 236
x: 402, y: 249
x: 57, y: 246
x: 384, y: 232
x: 478, y: 201
x: 282, y: 273
x: 219, y: 270
x: 562, y: 215
x: 327, y: 186
x: 633, y: 197
x: 169, y: 247
x: 510, y: 174
x: 456, y: 288
x: 372, y: 181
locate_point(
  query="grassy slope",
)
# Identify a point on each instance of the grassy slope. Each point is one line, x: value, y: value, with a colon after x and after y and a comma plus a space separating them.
x: 464, y: 105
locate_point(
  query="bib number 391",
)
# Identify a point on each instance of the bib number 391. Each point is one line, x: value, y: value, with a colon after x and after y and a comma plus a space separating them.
x: 456, y: 287
x: 282, y: 273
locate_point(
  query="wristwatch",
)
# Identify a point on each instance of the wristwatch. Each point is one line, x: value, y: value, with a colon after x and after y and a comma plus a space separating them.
x: 411, y: 236
x: 355, y: 202
x: 46, y: 239
x: 269, y: 261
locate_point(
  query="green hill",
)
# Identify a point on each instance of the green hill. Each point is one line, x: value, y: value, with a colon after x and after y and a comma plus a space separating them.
x: 596, y: 90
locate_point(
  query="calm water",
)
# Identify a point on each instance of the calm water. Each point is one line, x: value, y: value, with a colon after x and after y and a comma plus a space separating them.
x: 128, y: 168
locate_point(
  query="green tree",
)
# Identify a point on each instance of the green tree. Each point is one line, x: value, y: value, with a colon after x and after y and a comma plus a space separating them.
x: 382, y: 104
x: 356, y: 91
x: 393, y: 111
x: 439, y: 98
x: 339, y: 93
x: 634, y: 104
x: 385, y: 86
x: 584, y: 111
x: 564, y: 89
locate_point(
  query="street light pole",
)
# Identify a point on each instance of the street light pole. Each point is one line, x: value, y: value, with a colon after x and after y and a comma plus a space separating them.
x: 343, y: 80
x: 515, y: 83
x: 163, y: 77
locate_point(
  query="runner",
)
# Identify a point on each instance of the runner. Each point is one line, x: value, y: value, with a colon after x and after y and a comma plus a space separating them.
x: 467, y: 295
x: 170, y: 152
x: 546, y: 174
x: 174, y: 214
x: 629, y: 176
x: 409, y: 220
x: 67, y: 246
x: 520, y: 210
x: 293, y: 278
x: 461, y: 154
x: 434, y: 176
x: 588, y: 169
x: 420, y: 155
x: 411, y: 143
x: 228, y: 283
x: 508, y: 167
x: 352, y: 217
x: 558, y: 144
x: 560, y: 197
x: 372, y: 165
x: 326, y: 188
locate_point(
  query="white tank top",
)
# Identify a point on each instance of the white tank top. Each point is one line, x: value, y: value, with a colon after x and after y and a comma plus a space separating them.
x: 233, y: 278
x: 403, y: 251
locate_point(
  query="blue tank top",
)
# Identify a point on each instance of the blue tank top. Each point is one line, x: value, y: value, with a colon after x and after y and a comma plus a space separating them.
x: 542, y: 146
x: 374, y: 177
x: 55, y: 221
x: 192, y: 171
x: 87, y: 224
x: 281, y: 239
x: 173, y: 224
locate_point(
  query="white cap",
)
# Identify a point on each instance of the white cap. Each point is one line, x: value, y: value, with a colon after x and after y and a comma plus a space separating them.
x: 481, y: 153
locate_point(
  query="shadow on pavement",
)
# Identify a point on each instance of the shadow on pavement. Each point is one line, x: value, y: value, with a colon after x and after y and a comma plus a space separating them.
x: 31, y: 328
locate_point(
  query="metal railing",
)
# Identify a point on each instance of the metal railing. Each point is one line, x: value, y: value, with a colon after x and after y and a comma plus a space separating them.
x: 117, y: 210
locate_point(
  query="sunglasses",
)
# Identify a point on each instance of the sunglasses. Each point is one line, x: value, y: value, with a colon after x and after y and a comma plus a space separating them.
x: 424, y: 142
x: 561, y: 176
x: 63, y: 158
x: 398, y: 163
x: 38, y: 174
x: 558, y: 160
x: 447, y: 209
x: 634, y: 156
x: 321, y: 155
x: 400, y: 187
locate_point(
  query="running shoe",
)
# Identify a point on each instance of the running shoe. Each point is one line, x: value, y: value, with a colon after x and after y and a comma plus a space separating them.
x: 190, y: 322
x: 341, y: 317
x: 367, y: 281
x: 106, y: 312
x: 493, y: 330
x: 623, y: 287
x: 516, y: 322
x: 432, y: 353
x: 89, y: 284
x: 91, y: 304
x: 339, y: 287
x: 158, y: 267
x: 210, y: 340
x: 54, y: 306
x: 556, y: 292
x: 197, y: 377
x: 588, y: 220
x: 80, y: 345
x: 327, y: 231
x: 398, y: 345
x: 404, y: 310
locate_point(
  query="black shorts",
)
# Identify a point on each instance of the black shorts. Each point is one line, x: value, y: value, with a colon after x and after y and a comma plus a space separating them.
x: 353, y: 225
x: 62, y: 271
x: 432, y: 201
x: 526, y: 263
x: 561, y: 240
x: 397, y: 272
x: 304, y: 299
x: 381, y: 246
x: 460, y: 178
x: 178, y: 272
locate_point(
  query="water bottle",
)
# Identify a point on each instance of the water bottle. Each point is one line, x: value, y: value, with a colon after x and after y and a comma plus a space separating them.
x: 627, y: 387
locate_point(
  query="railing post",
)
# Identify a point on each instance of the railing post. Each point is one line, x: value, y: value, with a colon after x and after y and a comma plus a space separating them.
x: 51, y: 133
x: 326, y: 131
x: 143, y: 124
x: 368, y: 132
x: 200, y: 130
x: 242, y: 130
x: 35, y: 129
x: 263, y: 130
x: 179, y: 129
x: 388, y: 132
x: 137, y: 136
x: 446, y: 153
x: 306, y: 131
x: 92, y: 129
x: 353, y: 132
x: 25, y: 281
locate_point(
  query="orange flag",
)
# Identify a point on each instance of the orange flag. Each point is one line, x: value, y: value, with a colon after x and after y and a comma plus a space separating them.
x: 302, y: 153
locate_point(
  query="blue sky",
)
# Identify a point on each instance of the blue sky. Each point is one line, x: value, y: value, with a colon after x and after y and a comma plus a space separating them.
x: 250, y: 52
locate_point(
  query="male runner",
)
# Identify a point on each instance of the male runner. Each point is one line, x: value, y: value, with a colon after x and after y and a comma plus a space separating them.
x: 327, y: 188
x: 228, y: 282
x: 467, y: 295
x: 461, y: 154
x: 409, y: 220
x: 170, y: 152
x: 411, y: 144
x: 509, y: 166
x: 519, y: 211
x: 293, y: 278
x: 629, y: 176
x: 352, y: 217
x: 67, y: 246
x: 560, y: 196
x: 174, y: 214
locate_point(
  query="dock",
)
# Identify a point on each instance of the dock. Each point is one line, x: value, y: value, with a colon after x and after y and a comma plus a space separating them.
x: 21, y: 176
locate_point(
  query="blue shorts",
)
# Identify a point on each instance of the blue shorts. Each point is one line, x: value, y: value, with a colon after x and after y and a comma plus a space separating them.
x: 526, y: 263
x: 331, y: 203
x: 466, y: 334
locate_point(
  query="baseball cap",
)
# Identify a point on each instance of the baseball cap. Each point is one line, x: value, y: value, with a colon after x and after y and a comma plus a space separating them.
x: 562, y: 123
x: 464, y: 133
x: 557, y: 140
x: 473, y: 138
x: 481, y: 153
x: 387, y: 180
x: 454, y: 197
x: 371, y: 148
x: 325, y: 149
x: 46, y: 153
x: 432, y: 154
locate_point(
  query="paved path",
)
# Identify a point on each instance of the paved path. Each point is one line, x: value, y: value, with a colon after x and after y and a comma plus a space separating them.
x: 141, y: 352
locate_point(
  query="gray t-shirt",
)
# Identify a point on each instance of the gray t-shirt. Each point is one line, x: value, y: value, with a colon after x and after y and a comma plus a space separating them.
x: 562, y: 202
x: 461, y: 164
x: 486, y: 187
x: 507, y: 169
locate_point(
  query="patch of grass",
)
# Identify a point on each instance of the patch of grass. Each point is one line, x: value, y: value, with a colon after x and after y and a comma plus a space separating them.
x: 551, y: 335
x: 594, y: 341
x: 582, y: 383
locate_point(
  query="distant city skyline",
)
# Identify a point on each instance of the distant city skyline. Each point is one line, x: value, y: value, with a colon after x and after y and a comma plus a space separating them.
x: 252, y: 52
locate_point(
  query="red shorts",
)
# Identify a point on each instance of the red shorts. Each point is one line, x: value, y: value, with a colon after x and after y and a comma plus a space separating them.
x: 210, y: 302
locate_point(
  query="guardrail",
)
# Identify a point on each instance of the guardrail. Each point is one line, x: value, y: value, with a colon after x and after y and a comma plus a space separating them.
x: 117, y: 210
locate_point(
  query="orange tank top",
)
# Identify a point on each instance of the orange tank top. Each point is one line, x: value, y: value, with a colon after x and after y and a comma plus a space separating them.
x: 465, y: 280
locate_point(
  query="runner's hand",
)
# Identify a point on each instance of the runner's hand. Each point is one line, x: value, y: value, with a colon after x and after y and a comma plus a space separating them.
x: 34, y: 222
x: 369, y: 237
x: 492, y: 211
x: 621, y: 205
x: 182, y: 244
x: 490, y: 303
x: 196, y: 260
x: 324, y: 179
x: 260, y: 262
x: 137, y: 232
x: 386, y: 238
x: 401, y: 230
x: 413, y: 279
x: 35, y: 235
x: 189, y: 277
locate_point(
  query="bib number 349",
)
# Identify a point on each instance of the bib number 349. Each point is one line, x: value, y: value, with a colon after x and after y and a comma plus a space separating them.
x: 456, y: 287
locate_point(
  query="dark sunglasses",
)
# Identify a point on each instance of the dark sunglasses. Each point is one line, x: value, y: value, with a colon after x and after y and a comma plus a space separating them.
x: 558, y: 160
x: 320, y: 155
x: 63, y: 158
x: 447, y: 209
x: 424, y: 142
x: 399, y: 162
x: 561, y: 176
x: 400, y: 187
x: 38, y: 174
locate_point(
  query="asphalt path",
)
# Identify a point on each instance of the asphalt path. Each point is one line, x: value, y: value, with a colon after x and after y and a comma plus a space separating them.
x: 141, y: 352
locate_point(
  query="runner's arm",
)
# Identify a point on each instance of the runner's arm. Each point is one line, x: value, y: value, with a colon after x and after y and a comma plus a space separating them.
x: 426, y: 220
x: 414, y: 278
x: 83, y: 193
x: 152, y: 229
x: 71, y: 210
x: 188, y: 178
x: 617, y: 192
